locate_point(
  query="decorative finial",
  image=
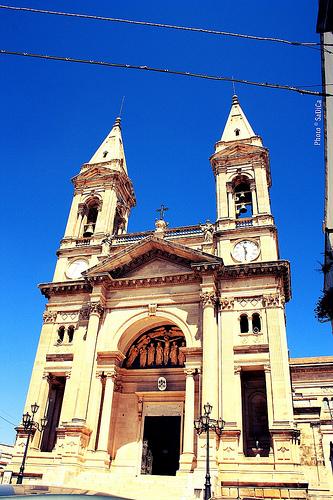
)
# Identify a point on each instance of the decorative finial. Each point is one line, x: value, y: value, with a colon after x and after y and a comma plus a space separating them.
x: 235, y: 99
x: 161, y: 210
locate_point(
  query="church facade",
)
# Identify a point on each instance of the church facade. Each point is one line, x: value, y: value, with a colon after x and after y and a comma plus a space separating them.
x: 141, y: 330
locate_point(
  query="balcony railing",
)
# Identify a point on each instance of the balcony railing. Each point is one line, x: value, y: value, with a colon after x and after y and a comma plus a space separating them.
x: 83, y: 242
x: 244, y: 223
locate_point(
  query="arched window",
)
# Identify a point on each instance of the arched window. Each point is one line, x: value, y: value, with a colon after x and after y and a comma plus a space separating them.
x: 61, y: 334
x: 244, y: 323
x: 70, y: 333
x: 243, y: 200
x: 256, y: 323
x: 237, y: 131
x: 92, y: 213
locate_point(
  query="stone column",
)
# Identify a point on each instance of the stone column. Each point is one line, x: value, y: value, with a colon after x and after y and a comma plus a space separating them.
x: 187, y: 457
x: 209, y: 351
x: 221, y: 193
x: 231, y: 202
x: 74, y: 216
x: 42, y: 401
x: 87, y: 361
x: 260, y: 175
x: 104, y: 429
x: 65, y: 414
x: 254, y: 199
x: 94, y: 408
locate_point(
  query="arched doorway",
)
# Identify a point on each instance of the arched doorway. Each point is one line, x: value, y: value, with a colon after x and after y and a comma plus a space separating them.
x: 155, y: 360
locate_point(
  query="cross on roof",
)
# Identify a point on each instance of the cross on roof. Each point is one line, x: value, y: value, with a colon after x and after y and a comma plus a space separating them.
x: 161, y: 210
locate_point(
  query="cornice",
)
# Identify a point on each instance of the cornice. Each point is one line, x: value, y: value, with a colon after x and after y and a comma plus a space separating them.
x: 204, y: 267
x: 98, y: 174
x: 326, y: 368
x: 49, y: 289
x: 236, y: 153
x: 263, y: 228
x: 251, y: 349
x: 79, y: 250
x: 176, y: 279
x: 59, y: 357
x: 280, y: 268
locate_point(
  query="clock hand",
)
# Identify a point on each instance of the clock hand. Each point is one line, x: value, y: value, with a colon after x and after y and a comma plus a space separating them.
x: 245, y: 251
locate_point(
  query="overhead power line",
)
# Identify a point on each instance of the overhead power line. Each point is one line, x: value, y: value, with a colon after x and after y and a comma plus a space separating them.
x: 8, y: 421
x: 164, y: 71
x: 161, y: 25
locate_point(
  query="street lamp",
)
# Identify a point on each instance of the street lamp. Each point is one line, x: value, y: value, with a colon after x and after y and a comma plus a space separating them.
x: 29, y: 425
x: 205, y: 424
x: 328, y: 402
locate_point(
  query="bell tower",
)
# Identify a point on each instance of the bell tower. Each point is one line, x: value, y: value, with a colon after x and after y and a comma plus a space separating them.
x: 103, y: 198
x: 241, y: 168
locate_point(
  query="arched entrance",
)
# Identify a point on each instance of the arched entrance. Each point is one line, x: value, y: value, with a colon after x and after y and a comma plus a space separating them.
x: 154, y: 362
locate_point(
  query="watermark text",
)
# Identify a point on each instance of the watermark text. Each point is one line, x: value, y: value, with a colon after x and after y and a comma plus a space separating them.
x: 317, y: 122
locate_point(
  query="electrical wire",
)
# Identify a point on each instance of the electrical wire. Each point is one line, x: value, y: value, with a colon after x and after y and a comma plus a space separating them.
x: 8, y: 421
x: 165, y: 71
x: 163, y: 25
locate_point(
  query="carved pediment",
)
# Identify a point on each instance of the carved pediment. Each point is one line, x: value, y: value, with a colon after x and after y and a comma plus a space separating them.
x: 93, y: 172
x: 157, y: 267
x: 235, y: 150
x: 151, y: 257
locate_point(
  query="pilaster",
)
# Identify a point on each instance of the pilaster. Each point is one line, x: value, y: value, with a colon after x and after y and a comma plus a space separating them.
x: 210, y: 349
x: 187, y: 457
x: 278, y: 353
x: 87, y: 360
x: 104, y: 431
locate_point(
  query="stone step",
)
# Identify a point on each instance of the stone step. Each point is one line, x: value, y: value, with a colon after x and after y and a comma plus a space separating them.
x: 153, y: 488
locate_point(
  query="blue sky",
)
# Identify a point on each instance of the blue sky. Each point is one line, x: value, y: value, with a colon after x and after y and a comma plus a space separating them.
x: 54, y: 115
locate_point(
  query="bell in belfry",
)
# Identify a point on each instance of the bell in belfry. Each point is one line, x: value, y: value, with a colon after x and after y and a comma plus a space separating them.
x: 89, y: 230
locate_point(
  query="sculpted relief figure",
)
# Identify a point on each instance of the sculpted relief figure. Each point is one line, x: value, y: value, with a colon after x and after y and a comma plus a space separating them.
x: 143, y: 357
x: 133, y: 352
x: 157, y: 348
x: 166, y: 349
x: 208, y: 230
x: 174, y: 354
x: 159, y: 354
x: 143, y: 342
x: 181, y: 356
x: 151, y: 354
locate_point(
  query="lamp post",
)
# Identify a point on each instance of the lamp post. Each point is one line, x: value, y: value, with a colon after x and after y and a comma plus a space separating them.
x: 205, y: 424
x: 29, y: 424
x: 328, y: 402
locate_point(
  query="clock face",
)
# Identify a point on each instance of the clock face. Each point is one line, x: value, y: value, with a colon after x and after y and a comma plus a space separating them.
x: 245, y: 251
x: 75, y: 269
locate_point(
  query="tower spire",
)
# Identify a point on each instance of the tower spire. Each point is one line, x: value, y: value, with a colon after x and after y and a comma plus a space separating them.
x: 237, y: 126
x: 112, y: 149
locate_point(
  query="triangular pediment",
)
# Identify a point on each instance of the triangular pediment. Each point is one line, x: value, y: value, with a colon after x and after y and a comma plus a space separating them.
x: 152, y: 257
x: 93, y: 172
x: 238, y: 149
x: 158, y: 266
